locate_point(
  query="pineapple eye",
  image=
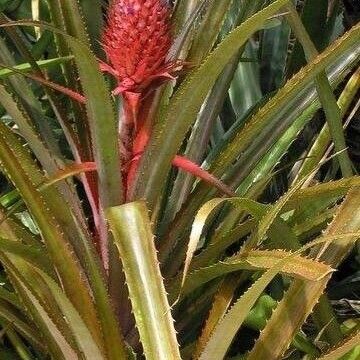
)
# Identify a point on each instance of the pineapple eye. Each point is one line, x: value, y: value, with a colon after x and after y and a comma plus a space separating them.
x: 129, y: 10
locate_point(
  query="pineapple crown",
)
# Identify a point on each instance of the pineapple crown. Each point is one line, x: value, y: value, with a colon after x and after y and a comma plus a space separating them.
x: 136, y: 40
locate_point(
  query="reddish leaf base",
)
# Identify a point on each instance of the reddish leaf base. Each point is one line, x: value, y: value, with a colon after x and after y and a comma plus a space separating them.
x: 137, y: 127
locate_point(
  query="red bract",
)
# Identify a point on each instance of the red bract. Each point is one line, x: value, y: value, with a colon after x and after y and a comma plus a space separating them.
x: 136, y: 40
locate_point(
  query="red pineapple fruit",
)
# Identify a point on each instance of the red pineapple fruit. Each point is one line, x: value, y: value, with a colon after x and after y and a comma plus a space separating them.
x: 136, y: 40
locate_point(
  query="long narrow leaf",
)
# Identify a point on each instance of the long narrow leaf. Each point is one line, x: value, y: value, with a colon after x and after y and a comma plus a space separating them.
x: 81, y: 333
x: 349, y: 343
x: 42, y: 64
x: 327, y: 98
x: 131, y: 227
x: 298, y: 267
x: 58, y: 244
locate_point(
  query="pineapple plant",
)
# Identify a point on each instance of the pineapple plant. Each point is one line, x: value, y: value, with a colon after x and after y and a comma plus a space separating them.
x: 178, y: 181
